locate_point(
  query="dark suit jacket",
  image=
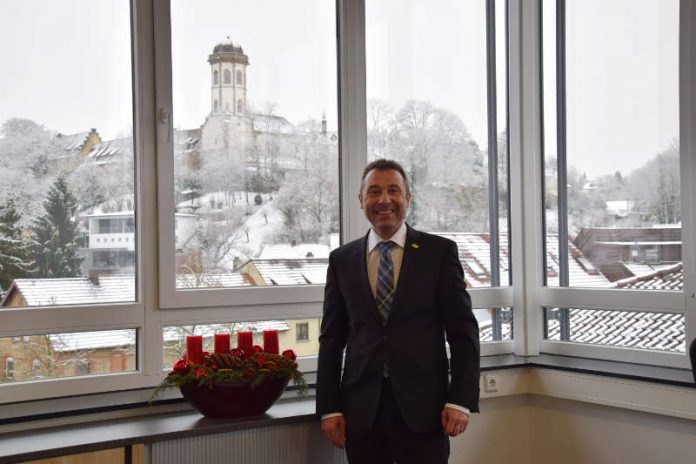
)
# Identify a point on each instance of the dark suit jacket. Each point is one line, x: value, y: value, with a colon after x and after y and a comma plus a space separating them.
x: 430, y: 301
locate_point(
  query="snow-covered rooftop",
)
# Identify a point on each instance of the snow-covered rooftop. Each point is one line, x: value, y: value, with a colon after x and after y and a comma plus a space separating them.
x: 79, y: 341
x: 74, y: 290
x: 287, y: 251
x: 626, y: 329
x: 475, y: 256
x: 663, y: 278
x: 288, y: 271
x: 110, y: 151
x: 212, y: 280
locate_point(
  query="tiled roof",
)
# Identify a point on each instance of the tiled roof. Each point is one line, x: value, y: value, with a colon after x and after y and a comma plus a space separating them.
x: 289, y: 271
x: 109, y: 152
x: 212, y: 280
x: 664, y: 278
x: 287, y: 251
x: 474, y: 254
x: 70, y: 143
x: 75, y: 290
x: 486, y: 331
x: 625, y: 329
x: 581, y: 272
x: 79, y: 341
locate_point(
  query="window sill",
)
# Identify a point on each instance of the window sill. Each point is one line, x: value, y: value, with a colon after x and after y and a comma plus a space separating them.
x: 60, y: 441
x: 594, y: 376
x: 614, y: 369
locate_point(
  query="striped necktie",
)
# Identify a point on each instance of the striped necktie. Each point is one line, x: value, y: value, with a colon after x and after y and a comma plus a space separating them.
x: 384, y: 294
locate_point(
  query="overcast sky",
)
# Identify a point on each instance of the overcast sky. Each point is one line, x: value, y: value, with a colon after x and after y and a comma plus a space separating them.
x: 67, y: 65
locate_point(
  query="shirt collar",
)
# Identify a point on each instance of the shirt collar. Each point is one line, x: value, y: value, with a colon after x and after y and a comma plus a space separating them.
x: 399, y: 238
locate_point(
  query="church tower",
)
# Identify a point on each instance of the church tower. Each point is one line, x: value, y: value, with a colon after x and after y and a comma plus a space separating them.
x: 228, y: 65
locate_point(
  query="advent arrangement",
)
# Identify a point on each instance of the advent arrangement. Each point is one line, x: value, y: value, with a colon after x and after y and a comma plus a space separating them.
x: 233, y: 382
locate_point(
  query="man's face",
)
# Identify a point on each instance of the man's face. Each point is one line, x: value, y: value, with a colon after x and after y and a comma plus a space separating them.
x: 385, y: 201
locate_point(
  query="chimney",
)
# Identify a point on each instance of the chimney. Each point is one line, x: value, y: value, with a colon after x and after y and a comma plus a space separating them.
x: 323, y: 124
x: 93, y: 276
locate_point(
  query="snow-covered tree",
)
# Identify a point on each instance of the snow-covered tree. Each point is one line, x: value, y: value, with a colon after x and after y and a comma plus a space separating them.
x: 14, y: 254
x: 55, y: 234
x: 25, y: 147
x: 95, y: 183
x: 445, y: 167
x: 308, y: 197
x: 655, y: 186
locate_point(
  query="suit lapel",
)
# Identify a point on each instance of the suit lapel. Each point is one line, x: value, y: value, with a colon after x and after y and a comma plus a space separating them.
x: 409, y: 267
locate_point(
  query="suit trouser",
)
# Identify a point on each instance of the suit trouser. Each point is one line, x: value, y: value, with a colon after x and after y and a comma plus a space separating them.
x: 391, y: 440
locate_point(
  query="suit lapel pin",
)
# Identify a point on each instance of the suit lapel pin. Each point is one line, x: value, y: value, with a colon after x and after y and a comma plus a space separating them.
x: 415, y: 246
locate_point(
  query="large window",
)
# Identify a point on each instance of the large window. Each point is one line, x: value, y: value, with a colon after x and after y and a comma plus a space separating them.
x: 67, y: 191
x: 255, y: 157
x: 611, y: 167
x: 175, y: 166
x: 611, y: 170
x: 437, y: 103
x: 66, y: 125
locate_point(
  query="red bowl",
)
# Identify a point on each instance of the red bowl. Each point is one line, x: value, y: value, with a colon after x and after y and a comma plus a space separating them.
x: 229, y: 400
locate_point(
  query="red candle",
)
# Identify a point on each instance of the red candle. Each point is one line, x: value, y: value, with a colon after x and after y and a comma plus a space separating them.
x: 194, y: 348
x: 245, y: 340
x: 222, y: 343
x: 270, y: 341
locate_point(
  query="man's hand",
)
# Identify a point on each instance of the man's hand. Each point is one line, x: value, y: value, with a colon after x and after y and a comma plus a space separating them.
x: 454, y: 421
x: 334, y: 429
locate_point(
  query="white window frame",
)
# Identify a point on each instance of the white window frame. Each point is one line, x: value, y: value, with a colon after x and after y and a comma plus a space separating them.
x: 159, y: 304
x: 682, y: 302
x: 63, y: 319
x: 240, y: 304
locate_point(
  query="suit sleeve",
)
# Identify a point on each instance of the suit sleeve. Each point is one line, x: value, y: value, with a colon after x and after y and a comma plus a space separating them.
x: 332, y: 342
x: 462, y: 332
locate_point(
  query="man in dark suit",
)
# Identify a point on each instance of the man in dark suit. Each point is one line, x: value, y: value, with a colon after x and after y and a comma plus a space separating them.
x: 390, y: 298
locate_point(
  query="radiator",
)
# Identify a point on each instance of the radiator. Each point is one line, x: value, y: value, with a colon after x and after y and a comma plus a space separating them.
x: 300, y: 443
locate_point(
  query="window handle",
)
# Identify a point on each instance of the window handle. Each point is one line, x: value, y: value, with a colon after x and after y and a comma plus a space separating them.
x: 164, y: 118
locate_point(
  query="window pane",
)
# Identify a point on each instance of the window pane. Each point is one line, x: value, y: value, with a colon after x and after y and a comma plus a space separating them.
x: 428, y: 108
x: 495, y: 324
x: 616, y: 212
x: 290, y: 333
x: 256, y: 142
x: 51, y: 356
x: 625, y: 329
x: 67, y: 204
